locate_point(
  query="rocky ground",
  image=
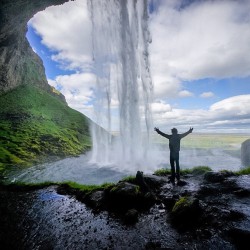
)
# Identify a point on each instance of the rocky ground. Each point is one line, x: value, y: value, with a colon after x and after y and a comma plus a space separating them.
x: 208, y: 211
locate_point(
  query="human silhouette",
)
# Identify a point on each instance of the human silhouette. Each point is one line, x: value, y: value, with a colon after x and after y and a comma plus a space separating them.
x: 174, y: 146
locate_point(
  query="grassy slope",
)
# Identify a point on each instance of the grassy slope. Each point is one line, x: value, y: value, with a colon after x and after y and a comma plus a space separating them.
x: 35, y: 125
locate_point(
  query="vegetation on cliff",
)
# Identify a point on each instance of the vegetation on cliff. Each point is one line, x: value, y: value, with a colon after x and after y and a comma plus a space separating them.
x: 35, y: 125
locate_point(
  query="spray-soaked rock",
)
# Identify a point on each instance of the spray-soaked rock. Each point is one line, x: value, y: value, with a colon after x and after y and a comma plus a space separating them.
x: 19, y: 64
x: 245, y: 153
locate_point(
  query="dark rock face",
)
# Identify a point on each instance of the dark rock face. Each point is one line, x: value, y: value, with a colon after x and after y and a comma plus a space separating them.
x: 217, y: 176
x: 245, y: 153
x: 19, y: 64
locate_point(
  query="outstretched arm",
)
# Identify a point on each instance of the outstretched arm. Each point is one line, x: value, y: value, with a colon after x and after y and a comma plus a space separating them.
x: 161, y: 133
x: 188, y: 132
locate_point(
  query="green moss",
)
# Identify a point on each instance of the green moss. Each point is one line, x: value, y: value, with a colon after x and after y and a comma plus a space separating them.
x: 129, y: 178
x: 243, y: 171
x: 35, y: 126
x: 21, y: 186
x: 201, y: 169
x: 195, y: 170
x: 70, y: 185
x: 87, y: 188
x: 182, y: 202
x: 162, y: 172
x: 137, y: 189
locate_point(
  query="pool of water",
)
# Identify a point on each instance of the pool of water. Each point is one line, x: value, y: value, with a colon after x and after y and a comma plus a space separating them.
x: 82, y: 170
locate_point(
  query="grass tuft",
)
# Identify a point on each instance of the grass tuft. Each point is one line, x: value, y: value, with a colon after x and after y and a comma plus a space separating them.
x: 195, y: 170
x: 129, y: 178
x: 243, y: 171
x: 87, y: 188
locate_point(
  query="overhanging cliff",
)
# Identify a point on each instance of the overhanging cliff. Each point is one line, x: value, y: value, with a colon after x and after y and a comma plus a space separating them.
x: 36, y: 124
x: 19, y: 64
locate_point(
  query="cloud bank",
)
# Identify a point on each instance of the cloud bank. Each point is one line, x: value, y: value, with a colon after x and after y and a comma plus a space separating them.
x: 204, y: 39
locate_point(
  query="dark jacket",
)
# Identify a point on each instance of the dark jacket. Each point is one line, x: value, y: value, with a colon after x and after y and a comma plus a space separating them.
x: 174, y: 140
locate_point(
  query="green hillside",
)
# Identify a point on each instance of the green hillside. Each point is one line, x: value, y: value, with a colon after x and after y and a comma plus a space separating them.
x: 36, y: 126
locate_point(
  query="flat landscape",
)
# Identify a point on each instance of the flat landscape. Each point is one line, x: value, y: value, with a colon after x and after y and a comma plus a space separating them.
x: 218, y: 151
x: 206, y: 141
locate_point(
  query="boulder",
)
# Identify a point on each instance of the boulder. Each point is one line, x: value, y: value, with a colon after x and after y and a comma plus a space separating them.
x: 186, y: 212
x: 154, y: 182
x: 217, y: 176
x: 131, y: 217
x: 240, y: 237
x: 125, y: 190
x: 123, y: 196
x: 96, y: 199
x: 245, y: 153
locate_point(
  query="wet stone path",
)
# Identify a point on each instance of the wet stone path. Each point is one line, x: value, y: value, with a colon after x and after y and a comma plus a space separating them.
x: 44, y: 219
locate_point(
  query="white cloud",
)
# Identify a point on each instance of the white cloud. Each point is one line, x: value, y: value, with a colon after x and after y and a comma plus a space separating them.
x: 159, y: 107
x: 205, y: 39
x: 207, y: 94
x: 185, y: 93
x: 235, y: 106
x: 78, y: 90
x: 165, y: 86
x: 66, y: 30
x: 231, y: 113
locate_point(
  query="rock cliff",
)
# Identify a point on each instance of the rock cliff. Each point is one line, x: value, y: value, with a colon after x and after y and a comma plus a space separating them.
x: 19, y: 64
x: 36, y: 124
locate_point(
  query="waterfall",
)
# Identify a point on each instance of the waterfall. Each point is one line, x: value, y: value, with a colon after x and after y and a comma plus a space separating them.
x: 120, y: 39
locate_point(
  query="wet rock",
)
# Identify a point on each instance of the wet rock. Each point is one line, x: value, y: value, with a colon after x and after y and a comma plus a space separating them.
x: 125, y: 190
x: 123, y: 196
x: 240, y: 237
x: 181, y: 183
x: 141, y: 182
x: 214, y: 177
x: 169, y: 201
x: 131, y: 216
x: 154, y: 181
x: 242, y: 192
x: 207, y: 190
x: 96, y: 199
x: 245, y: 153
x: 186, y: 212
x: 236, y: 215
x: 205, y: 220
x: 153, y: 246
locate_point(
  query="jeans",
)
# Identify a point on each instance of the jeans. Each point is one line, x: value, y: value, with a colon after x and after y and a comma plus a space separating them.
x: 175, y: 167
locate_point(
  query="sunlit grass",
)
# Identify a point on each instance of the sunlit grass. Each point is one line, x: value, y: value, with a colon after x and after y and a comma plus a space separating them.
x: 195, y: 170
x: 129, y: 178
x: 208, y: 141
x: 68, y: 184
x: 162, y: 172
x: 37, y: 126
x: 87, y: 188
x: 243, y: 171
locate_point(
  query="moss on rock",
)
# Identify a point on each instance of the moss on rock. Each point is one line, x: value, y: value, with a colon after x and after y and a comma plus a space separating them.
x: 36, y: 126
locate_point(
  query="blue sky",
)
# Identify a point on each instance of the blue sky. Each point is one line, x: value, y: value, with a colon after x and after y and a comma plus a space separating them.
x: 221, y: 89
x: 199, y: 61
x: 52, y: 68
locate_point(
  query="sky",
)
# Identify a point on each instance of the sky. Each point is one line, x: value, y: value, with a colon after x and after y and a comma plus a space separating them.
x: 199, y: 61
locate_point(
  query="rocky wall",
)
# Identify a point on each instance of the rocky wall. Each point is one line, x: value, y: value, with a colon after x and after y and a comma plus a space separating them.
x: 19, y: 64
x: 245, y: 153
